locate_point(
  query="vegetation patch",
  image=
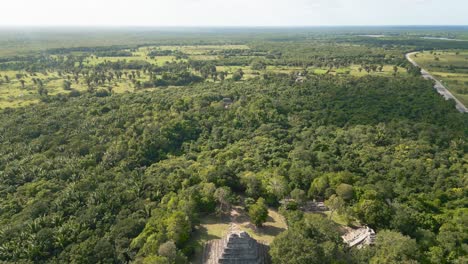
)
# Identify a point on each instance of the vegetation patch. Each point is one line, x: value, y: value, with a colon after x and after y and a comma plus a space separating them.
x: 450, y: 67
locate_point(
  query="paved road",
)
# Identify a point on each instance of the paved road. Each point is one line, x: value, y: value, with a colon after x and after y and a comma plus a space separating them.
x: 438, y: 85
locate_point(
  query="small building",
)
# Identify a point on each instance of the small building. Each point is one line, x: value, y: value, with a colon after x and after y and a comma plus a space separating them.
x: 236, y: 248
x: 313, y: 206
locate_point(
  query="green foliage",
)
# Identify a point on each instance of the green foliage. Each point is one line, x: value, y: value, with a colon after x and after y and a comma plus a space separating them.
x: 108, y: 177
x: 168, y: 250
x: 392, y: 247
x: 258, y: 212
x: 345, y: 191
x: 224, y: 197
x: 258, y: 65
x: 299, y: 196
x: 313, y: 239
x: 178, y: 227
x: 335, y: 203
x: 237, y: 76
x: 375, y: 213
x: 66, y: 85
x: 452, y: 236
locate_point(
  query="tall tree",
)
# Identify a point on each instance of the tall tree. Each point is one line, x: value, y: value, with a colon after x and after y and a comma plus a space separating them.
x: 258, y: 212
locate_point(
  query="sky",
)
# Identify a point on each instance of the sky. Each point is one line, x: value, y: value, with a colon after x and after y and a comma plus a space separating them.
x: 232, y: 12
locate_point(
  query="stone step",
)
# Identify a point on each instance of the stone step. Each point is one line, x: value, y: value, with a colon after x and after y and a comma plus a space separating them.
x: 236, y: 248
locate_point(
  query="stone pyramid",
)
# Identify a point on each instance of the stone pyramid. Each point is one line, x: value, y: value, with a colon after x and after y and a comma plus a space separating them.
x: 236, y: 248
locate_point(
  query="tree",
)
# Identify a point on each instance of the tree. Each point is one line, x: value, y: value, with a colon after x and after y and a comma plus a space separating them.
x: 314, y: 239
x: 237, y: 76
x: 318, y: 186
x: 66, y: 85
x: 178, y: 227
x: 404, y: 219
x: 453, y: 234
x: 395, y: 70
x: 252, y: 184
x: 224, y: 197
x: 258, y: 65
x: 277, y: 186
x: 345, y: 191
x: 393, y: 247
x: 299, y: 196
x: 168, y: 250
x: 222, y: 75
x: 103, y: 251
x: 375, y: 213
x: 39, y: 82
x: 291, y: 247
x: 258, y: 212
x: 42, y: 91
x: 335, y: 203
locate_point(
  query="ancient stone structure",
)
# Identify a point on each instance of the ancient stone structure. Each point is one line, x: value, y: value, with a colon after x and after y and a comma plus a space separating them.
x: 308, y: 207
x: 236, y: 248
x: 359, y: 237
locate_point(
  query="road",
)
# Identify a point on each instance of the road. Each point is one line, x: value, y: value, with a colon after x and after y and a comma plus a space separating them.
x: 438, y: 85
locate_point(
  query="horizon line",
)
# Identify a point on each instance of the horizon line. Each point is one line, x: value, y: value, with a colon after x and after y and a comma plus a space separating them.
x: 226, y: 26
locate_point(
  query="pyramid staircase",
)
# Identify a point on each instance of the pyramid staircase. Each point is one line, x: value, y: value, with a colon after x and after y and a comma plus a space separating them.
x: 236, y: 248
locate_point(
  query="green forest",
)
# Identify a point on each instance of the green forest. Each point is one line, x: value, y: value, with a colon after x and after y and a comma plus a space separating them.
x: 120, y: 151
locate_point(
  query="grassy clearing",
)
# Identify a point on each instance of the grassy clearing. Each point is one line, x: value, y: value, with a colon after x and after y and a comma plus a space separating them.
x: 451, y: 67
x: 12, y: 94
x: 274, y: 226
x: 342, y: 221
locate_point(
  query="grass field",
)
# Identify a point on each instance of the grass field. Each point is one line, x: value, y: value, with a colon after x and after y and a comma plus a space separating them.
x: 451, y: 67
x: 12, y: 94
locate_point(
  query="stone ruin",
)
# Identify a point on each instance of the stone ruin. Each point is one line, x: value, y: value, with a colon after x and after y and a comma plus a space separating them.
x: 309, y: 206
x: 359, y: 237
x: 236, y: 248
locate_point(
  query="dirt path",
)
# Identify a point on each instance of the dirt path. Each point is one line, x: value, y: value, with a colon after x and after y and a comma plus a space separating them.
x: 234, y: 225
x: 438, y: 85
